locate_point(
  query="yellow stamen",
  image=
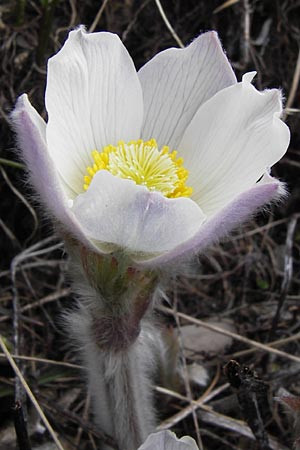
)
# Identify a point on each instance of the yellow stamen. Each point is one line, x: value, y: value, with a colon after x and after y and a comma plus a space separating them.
x: 142, y: 162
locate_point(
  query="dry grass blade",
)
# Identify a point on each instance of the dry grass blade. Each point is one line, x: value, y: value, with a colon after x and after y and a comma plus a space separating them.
x: 276, y: 343
x: 24, y: 201
x: 184, y: 412
x: 225, y: 422
x: 10, y: 163
x: 207, y: 414
x: 287, y: 273
x: 30, y: 394
x: 168, y: 25
x: 185, y: 374
x: 85, y: 417
x: 32, y: 251
x: 225, y: 5
x: 43, y: 301
x: 238, y: 337
x: 98, y: 16
x: 294, y: 86
x: 44, y: 361
x: 257, y: 230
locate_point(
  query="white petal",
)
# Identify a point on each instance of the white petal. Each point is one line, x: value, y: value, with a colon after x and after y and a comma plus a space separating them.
x: 176, y: 82
x: 30, y: 129
x: 166, y: 440
x: 93, y: 99
x: 231, y: 141
x: 222, y: 223
x: 117, y: 211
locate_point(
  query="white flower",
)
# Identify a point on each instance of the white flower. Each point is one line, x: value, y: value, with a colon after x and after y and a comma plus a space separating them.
x: 166, y: 440
x: 104, y: 162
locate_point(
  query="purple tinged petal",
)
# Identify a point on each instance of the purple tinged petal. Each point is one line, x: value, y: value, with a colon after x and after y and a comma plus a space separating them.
x: 118, y: 212
x: 231, y: 141
x: 30, y: 130
x: 222, y: 223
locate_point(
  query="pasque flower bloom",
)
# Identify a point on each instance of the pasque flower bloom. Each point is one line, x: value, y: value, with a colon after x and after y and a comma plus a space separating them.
x: 158, y: 163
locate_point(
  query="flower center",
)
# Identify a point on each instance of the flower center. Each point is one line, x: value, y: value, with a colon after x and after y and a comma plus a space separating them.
x: 142, y: 162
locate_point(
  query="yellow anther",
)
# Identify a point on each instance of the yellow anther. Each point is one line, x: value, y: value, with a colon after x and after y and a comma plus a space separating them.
x: 142, y: 162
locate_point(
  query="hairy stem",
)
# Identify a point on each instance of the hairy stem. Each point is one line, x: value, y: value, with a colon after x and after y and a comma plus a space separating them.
x: 119, y: 344
x: 120, y: 388
x: 120, y: 382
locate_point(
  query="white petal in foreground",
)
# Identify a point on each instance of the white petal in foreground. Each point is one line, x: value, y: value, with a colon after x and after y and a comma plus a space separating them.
x: 117, y: 211
x: 231, y: 141
x: 166, y: 440
x: 228, y: 218
x: 30, y: 129
x: 176, y: 82
x: 93, y: 99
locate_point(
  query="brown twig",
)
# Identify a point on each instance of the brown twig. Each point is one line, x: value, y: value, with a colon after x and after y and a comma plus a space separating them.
x: 252, y: 394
